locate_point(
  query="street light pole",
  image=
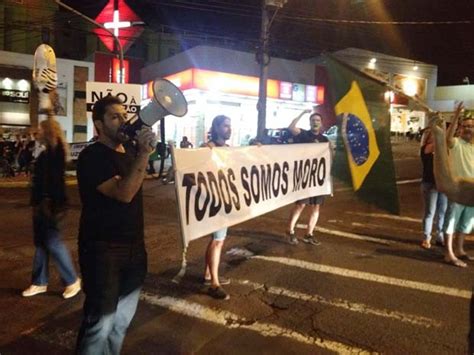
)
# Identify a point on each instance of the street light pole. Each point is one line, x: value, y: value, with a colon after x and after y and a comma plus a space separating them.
x: 263, y: 59
x: 117, y: 42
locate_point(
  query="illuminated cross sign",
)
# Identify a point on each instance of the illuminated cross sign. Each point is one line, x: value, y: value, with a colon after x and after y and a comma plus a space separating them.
x: 116, y: 24
x: 117, y: 15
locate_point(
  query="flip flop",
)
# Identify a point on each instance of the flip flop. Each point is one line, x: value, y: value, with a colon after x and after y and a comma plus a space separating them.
x: 456, y: 262
x: 466, y: 257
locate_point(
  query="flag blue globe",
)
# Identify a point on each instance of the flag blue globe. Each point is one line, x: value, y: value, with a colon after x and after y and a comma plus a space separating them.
x: 357, y: 139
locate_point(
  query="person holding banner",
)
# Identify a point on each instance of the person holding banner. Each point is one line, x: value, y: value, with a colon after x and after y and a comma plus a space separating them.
x: 112, y: 253
x: 219, y: 134
x: 313, y: 135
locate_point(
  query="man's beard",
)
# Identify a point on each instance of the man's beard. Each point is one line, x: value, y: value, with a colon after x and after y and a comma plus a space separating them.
x: 117, y: 137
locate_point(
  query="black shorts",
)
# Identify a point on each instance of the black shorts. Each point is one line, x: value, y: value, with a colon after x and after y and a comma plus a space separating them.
x: 314, y: 200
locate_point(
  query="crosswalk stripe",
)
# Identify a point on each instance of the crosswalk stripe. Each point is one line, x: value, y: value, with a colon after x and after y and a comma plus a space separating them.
x: 388, y: 216
x: 344, y: 304
x: 387, y: 280
x: 347, y: 234
x: 400, y: 182
x: 231, y: 320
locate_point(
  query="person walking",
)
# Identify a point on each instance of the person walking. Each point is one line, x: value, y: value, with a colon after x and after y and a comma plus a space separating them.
x: 48, y: 198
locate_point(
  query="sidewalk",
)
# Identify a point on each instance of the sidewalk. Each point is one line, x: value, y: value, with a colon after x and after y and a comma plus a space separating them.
x: 23, y: 181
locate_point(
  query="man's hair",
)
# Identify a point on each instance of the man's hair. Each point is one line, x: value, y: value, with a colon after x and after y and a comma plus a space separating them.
x: 216, y: 122
x: 316, y: 114
x: 101, y: 105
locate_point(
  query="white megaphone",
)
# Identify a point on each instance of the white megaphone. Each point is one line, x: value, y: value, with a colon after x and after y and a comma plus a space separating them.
x: 167, y: 100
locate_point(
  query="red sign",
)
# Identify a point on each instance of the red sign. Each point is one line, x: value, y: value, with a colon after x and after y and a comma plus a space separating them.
x: 221, y: 82
x: 116, y: 71
x: 118, y: 19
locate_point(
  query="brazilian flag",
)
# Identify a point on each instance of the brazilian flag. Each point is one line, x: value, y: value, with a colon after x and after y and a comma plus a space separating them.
x: 363, y: 151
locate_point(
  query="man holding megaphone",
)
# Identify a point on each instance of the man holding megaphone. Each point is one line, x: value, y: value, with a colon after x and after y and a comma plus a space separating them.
x: 112, y: 253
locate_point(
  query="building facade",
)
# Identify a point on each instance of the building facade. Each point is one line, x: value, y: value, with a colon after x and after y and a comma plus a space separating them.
x: 223, y: 81
x: 18, y: 100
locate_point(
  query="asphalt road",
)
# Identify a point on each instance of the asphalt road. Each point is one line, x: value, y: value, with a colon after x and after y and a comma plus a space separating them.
x: 368, y: 288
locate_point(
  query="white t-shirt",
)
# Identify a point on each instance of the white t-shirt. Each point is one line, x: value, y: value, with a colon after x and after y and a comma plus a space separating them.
x: 462, y: 157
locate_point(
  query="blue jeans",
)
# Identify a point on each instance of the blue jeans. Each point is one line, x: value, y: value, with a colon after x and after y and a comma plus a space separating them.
x: 113, y: 275
x: 104, y: 334
x: 435, y: 202
x: 48, y: 242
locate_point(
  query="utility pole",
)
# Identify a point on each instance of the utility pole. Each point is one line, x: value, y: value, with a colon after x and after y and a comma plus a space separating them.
x: 263, y: 58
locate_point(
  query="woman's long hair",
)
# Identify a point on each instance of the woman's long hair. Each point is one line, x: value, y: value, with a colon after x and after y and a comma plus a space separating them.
x: 53, y: 135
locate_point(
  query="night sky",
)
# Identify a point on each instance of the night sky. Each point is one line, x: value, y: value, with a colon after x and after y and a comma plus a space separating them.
x: 305, y: 28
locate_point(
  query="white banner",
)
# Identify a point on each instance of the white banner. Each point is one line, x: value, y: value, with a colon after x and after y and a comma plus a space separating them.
x: 130, y: 94
x: 223, y: 186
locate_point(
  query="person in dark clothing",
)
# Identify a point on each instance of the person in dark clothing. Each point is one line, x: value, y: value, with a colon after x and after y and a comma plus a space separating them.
x: 112, y: 252
x: 435, y: 202
x: 48, y: 198
x: 23, y: 156
x: 314, y: 135
x: 185, y: 143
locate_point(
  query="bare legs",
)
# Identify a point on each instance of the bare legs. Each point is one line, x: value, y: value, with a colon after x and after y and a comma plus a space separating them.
x: 213, y: 258
x: 294, y: 216
x: 296, y: 213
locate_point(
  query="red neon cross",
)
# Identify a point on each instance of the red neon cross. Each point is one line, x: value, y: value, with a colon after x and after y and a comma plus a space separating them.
x: 118, y: 17
x: 116, y: 24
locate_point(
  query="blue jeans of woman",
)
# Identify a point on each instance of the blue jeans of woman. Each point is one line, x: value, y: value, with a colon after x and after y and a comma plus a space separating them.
x: 436, y: 203
x: 48, y: 243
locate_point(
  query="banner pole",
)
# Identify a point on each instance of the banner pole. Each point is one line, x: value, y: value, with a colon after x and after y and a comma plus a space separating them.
x: 182, y: 271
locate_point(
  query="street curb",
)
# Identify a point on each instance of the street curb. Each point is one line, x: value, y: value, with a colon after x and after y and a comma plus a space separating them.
x: 26, y: 184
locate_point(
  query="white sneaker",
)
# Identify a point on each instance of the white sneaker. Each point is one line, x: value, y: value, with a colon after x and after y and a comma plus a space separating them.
x: 34, y: 290
x: 72, y: 290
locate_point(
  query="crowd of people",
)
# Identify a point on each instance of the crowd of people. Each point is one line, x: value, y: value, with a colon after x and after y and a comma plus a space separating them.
x: 110, y: 172
x: 18, y: 153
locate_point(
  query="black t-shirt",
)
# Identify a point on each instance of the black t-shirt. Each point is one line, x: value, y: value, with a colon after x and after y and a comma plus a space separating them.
x: 427, y: 161
x: 309, y: 137
x: 104, y: 218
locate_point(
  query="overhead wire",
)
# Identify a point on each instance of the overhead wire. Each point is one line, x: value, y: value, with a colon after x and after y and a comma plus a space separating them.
x: 283, y: 17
